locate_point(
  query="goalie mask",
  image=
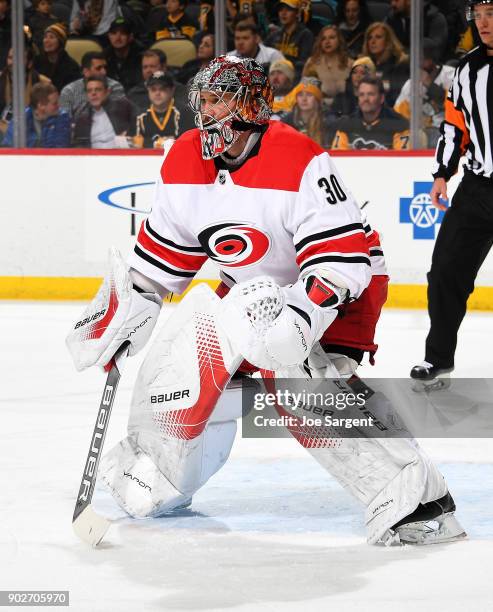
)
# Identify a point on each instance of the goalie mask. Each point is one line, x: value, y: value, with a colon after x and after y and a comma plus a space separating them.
x: 228, y: 96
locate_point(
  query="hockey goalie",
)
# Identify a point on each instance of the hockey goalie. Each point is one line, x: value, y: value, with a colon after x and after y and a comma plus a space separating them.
x: 267, y: 205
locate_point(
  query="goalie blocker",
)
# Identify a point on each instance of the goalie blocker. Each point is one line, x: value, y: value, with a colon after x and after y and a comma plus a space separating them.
x: 120, y: 312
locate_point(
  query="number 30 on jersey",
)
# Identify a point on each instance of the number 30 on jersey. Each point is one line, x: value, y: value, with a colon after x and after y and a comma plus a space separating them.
x: 332, y: 188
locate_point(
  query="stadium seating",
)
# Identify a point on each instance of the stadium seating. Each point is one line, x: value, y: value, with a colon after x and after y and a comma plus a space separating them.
x: 77, y: 47
x: 178, y: 50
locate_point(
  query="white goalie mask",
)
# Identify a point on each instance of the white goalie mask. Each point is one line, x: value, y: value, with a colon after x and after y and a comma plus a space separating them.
x: 228, y: 93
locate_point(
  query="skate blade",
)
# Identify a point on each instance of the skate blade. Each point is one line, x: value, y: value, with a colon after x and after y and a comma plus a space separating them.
x: 429, y: 386
x: 422, y: 533
x: 90, y: 527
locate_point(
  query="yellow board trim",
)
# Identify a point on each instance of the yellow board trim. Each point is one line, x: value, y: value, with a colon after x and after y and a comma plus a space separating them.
x: 61, y: 288
x: 68, y: 288
x: 414, y: 296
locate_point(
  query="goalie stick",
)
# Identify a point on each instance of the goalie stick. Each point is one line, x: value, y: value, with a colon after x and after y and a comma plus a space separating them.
x: 87, y: 524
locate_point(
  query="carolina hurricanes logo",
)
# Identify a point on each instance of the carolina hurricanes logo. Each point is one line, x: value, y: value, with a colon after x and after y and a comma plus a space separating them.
x: 234, y: 244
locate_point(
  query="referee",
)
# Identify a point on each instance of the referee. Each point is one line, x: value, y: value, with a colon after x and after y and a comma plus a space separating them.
x: 466, y: 234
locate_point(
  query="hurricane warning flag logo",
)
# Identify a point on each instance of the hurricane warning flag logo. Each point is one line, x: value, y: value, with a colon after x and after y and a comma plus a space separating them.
x: 234, y: 244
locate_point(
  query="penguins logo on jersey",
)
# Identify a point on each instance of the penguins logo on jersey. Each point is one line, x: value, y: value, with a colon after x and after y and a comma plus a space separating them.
x: 234, y: 244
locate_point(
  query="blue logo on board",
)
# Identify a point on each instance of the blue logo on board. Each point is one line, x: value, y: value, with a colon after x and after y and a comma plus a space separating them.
x: 124, y: 197
x: 419, y: 211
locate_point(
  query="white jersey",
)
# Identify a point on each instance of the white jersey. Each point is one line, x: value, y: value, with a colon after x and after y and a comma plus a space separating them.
x: 282, y: 213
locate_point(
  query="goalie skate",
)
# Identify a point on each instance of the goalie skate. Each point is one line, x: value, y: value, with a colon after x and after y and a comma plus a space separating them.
x: 431, y: 523
x: 442, y: 529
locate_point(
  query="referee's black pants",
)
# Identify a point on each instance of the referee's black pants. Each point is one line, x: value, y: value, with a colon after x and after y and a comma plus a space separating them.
x: 463, y: 241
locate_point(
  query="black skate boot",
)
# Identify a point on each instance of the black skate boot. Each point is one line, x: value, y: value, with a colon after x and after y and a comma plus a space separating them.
x: 431, y: 523
x: 430, y: 378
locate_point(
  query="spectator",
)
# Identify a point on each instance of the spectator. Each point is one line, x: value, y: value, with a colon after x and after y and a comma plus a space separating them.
x: 389, y: 58
x: 281, y: 79
x: 308, y: 116
x: 435, y: 83
x: 468, y: 40
x: 141, y: 8
x: 245, y: 8
x: 346, y: 103
x: 93, y: 18
x: 39, y: 19
x: 103, y: 123
x: 205, y: 52
x: 154, y: 60
x: 171, y: 21
x: 46, y: 125
x: 353, y: 18
x: 73, y: 97
x: 53, y: 61
x: 454, y: 13
x: 206, y: 16
x: 32, y: 77
x: 123, y: 54
x: 247, y: 44
x: 330, y: 63
x: 374, y: 125
x: 163, y: 120
x: 239, y: 8
x: 293, y: 39
x: 5, y: 32
x: 434, y: 24
x: 249, y: 11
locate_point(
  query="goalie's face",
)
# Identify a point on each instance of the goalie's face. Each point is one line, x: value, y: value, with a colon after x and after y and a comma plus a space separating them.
x: 216, y: 106
x: 215, y: 113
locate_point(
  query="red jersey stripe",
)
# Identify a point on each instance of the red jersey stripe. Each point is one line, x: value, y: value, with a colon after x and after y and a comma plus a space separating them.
x: 355, y: 243
x: 183, y: 261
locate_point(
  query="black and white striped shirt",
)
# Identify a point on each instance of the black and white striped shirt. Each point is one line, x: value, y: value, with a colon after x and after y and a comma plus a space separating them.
x: 468, y: 125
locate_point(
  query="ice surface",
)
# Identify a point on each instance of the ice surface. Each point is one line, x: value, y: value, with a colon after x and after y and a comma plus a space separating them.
x: 272, y: 531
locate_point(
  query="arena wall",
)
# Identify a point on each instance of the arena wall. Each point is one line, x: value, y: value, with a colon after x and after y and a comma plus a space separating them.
x: 62, y: 209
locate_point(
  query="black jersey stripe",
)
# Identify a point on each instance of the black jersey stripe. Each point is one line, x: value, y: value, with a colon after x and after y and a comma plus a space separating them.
x: 472, y: 95
x: 351, y: 259
x: 332, y: 233
x: 489, y: 96
x: 161, y: 265
x: 178, y: 247
x: 475, y: 115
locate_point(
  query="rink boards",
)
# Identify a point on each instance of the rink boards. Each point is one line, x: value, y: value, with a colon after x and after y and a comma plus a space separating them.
x: 62, y: 209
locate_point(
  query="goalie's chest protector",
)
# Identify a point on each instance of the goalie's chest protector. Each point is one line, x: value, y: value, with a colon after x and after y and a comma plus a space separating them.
x: 260, y: 219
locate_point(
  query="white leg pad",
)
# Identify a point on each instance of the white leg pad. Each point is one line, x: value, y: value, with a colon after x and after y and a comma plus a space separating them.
x: 182, y: 421
x: 418, y: 482
x: 390, y: 475
x: 136, y: 483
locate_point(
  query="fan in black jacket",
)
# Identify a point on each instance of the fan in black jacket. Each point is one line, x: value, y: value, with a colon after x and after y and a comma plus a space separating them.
x: 123, y: 55
x: 374, y: 125
x: 54, y: 62
x: 103, y: 118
